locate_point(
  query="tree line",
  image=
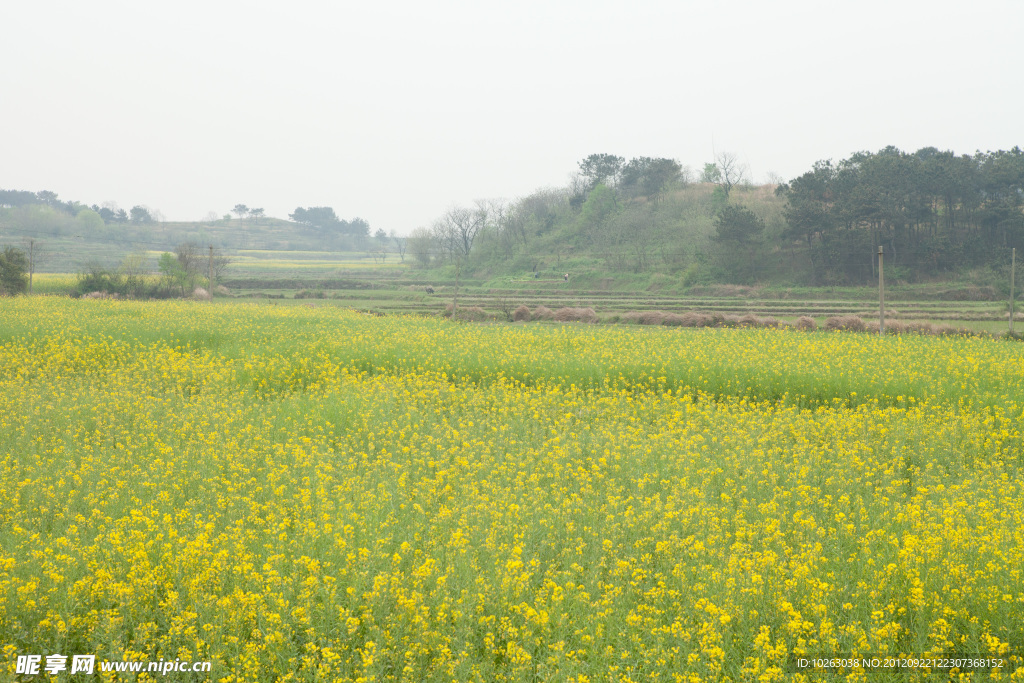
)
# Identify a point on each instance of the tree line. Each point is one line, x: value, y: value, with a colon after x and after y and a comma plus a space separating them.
x: 180, y: 273
x: 320, y: 218
x: 933, y: 211
x: 110, y: 212
x: 936, y: 213
x: 324, y: 220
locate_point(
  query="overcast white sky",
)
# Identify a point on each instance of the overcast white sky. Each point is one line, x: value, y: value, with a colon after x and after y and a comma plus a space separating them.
x: 394, y: 111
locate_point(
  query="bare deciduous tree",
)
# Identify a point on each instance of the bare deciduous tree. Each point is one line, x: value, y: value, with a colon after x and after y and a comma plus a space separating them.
x: 37, y: 253
x: 455, y: 233
x: 579, y: 188
x: 506, y: 306
x: 457, y: 230
x: 133, y: 270
x: 401, y: 244
x: 221, y: 260
x: 731, y: 171
x: 421, y: 246
x: 190, y: 260
x: 686, y: 174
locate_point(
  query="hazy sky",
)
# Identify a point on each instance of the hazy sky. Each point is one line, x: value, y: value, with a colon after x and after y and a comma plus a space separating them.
x: 394, y: 111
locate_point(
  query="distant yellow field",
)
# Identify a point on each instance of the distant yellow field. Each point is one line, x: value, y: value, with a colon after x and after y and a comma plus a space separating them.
x: 306, y: 260
x: 342, y: 255
x: 52, y: 283
x: 304, y: 264
x: 276, y: 260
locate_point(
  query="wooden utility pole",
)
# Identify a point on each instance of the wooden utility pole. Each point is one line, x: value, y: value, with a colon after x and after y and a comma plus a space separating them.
x: 210, y: 272
x: 881, y: 293
x: 32, y: 264
x: 455, y: 295
x: 1013, y: 267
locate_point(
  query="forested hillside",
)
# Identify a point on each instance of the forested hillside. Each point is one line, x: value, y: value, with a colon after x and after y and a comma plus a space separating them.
x: 938, y: 216
x: 935, y: 212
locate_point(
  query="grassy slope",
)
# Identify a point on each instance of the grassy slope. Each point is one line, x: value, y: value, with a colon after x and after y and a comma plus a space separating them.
x: 639, y: 239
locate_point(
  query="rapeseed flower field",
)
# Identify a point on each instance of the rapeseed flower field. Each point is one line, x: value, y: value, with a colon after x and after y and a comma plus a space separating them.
x: 300, y: 494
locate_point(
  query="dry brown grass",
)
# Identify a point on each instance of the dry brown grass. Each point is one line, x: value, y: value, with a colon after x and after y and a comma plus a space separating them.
x: 631, y: 317
x: 580, y: 315
x: 895, y: 327
x: 920, y: 327
x: 726, y: 291
x: 470, y: 314
x: 714, y: 320
x: 690, y: 319
x: 969, y: 293
x: 749, y: 320
x: 805, y: 323
x: 521, y: 314
x: 643, y: 317
x: 695, y: 319
x: 891, y: 327
x: 543, y: 313
x: 847, y: 323
x: 674, y: 320
x: 699, y: 319
x: 466, y: 312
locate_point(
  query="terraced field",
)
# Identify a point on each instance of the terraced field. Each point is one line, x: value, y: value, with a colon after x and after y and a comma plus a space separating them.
x: 391, y: 293
x: 358, y: 280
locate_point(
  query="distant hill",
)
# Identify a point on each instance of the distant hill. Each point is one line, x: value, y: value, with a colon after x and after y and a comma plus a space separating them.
x: 937, y: 215
x: 69, y: 241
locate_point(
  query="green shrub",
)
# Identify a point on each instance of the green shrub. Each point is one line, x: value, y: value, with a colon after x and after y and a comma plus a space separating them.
x: 96, y: 278
x: 13, y: 271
